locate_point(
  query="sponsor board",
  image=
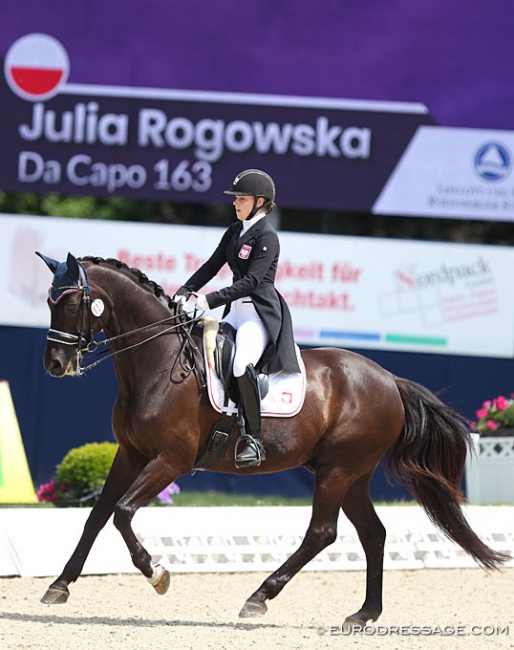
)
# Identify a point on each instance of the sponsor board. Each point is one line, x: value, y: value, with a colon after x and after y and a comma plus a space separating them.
x: 66, y: 128
x: 343, y: 291
x: 455, y: 173
x: 186, y: 146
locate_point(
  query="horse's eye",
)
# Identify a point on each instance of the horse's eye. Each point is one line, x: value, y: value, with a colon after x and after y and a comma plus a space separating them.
x: 72, y: 307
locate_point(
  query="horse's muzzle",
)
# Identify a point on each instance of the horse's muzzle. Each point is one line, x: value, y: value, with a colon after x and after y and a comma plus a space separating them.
x: 59, y: 362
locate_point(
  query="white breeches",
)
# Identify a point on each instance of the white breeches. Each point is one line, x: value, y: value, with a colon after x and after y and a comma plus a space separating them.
x: 251, y: 337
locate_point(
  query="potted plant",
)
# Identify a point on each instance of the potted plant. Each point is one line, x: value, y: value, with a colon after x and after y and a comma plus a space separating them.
x: 495, y: 417
x: 490, y: 471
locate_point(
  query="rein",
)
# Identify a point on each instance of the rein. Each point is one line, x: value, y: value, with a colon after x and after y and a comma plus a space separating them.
x: 87, y: 345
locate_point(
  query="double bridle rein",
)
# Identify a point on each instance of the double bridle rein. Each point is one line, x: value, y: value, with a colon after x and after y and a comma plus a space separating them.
x: 85, y: 343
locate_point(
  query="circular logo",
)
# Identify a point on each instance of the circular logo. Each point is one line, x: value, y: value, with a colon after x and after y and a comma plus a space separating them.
x: 36, y: 66
x: 97, y: 307
x: 493, y: 161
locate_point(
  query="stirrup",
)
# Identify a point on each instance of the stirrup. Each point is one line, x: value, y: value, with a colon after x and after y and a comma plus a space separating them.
x: 251, y: 455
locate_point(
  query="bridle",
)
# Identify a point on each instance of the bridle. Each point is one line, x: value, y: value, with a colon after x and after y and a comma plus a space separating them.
x: 80, y: 340
x: 85, y: 343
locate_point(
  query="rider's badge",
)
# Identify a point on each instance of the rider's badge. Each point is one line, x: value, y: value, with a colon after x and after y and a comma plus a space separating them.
x: 245, y: 251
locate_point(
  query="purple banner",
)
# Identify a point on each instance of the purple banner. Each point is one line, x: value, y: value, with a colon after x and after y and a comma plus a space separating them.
x: 170, y: 100
x: 454, y: 57
x: 187, y: 146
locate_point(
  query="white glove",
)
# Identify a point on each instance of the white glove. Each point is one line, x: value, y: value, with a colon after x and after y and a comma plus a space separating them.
x: 181, y: 301
x: 201, y: 303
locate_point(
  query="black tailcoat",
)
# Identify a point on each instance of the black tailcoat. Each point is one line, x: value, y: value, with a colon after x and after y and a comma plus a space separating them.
x: 253, y: 259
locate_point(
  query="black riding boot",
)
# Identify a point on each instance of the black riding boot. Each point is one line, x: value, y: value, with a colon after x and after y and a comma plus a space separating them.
x: 249, y: 450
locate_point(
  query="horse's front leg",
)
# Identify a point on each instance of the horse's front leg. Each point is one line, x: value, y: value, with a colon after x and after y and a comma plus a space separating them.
x: 156, y: 476
x: 126, y: 467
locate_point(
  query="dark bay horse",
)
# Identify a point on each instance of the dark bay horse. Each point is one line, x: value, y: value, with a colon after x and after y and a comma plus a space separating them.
x: 355, y: 413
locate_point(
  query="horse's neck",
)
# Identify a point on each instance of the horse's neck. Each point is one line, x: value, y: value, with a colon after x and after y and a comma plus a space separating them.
x: 133, y: 313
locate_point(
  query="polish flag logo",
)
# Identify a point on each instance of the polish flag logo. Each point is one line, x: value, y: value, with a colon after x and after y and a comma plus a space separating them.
x: 244, y: 253
x: 36, y: 66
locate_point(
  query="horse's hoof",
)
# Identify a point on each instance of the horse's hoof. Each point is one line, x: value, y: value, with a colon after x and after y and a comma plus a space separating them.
x: 55, y: 596
x: 162, y: 586
x: 353, y: 623
x: 252, y: 609
x: 358, y: 621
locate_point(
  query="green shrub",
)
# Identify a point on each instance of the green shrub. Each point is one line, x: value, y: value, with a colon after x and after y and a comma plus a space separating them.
x: 80, y: 477
x: 82, y: 472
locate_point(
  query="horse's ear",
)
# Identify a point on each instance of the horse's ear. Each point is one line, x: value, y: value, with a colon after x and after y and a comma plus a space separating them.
x: 52, y: 264
x: 73, y: 267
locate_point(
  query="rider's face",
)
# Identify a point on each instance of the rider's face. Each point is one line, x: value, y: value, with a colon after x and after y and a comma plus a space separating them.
x: 244, y: 205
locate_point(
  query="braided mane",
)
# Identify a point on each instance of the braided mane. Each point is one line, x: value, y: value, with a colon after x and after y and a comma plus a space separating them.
x: 139, y: 276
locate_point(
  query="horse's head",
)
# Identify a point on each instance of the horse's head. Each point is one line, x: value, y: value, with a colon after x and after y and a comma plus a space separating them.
x: 73, y: 316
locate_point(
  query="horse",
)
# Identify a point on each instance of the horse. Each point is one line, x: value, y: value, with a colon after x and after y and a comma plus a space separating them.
x: 355, y: 413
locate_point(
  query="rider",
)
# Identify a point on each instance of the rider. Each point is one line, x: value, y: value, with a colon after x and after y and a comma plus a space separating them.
x: 253, y: 306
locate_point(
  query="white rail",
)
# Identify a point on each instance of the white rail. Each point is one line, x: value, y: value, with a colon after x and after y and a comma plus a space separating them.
x: 38, y: 542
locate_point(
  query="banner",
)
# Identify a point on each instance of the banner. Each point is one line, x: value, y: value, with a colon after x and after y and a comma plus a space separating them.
x: 455, y: 173
x: 343, y: 291
x: 188, y: 146
x: 168, y: 105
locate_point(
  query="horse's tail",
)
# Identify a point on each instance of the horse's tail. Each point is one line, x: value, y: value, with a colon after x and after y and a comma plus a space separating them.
x: 428, y: 458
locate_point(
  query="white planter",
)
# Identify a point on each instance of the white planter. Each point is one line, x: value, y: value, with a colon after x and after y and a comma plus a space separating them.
x: 490, y: 472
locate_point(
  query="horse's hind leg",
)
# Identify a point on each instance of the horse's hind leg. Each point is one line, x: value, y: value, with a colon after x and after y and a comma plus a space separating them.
x: 360, y: 511
x: 331, y: 485
x: 125, y: 468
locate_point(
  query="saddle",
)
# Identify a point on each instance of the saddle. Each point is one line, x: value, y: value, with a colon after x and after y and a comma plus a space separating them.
x: 223, y: 359
x: 224, y: 353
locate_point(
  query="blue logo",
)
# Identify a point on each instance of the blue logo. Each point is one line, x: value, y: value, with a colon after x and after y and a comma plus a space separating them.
x: 493, y: 162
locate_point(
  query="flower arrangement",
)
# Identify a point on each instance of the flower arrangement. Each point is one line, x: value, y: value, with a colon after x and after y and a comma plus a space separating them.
x: 81, y: 474
x: 46, y: 491
x: 494, y: 416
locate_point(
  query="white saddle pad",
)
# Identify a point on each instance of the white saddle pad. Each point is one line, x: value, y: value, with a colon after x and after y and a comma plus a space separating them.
x: 284, y: 399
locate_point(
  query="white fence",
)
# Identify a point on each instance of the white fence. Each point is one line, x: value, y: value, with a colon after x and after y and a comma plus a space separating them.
x: 38, y: 542
x: 490, y: 472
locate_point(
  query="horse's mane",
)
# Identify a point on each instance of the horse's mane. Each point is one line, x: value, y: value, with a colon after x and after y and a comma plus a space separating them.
x: 139, y: 276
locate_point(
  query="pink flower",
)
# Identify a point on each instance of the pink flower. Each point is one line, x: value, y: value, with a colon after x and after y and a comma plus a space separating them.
x: 487, y: 403
x: 482, y: 413
x: 501, y: 403
x: 491, y: 424
x: 472, y: 426
x: 46, y: 491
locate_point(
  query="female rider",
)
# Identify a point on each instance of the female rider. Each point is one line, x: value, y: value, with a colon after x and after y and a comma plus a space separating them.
x: 253, y: 306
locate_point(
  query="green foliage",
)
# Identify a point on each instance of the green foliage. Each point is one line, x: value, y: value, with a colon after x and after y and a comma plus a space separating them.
x: 291, y: 219
x: 84, y: 469
x: 113, y: 208
x: 80, y: 477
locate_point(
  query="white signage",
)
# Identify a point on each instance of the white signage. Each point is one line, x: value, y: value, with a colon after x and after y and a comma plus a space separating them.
x: 455, y: 173
x: 345, y: 291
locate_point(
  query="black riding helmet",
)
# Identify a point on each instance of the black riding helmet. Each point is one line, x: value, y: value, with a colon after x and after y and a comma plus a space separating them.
x: 254, y: 182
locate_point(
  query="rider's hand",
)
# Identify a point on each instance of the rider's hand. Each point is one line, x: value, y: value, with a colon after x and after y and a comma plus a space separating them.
x: 201, y: 303
x: 182, y: 296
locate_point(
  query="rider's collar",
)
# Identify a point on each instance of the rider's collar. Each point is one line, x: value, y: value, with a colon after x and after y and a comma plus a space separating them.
x: 251, y: 222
